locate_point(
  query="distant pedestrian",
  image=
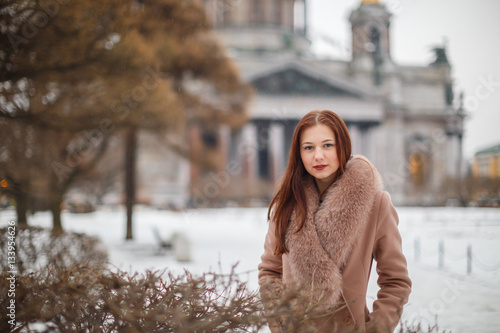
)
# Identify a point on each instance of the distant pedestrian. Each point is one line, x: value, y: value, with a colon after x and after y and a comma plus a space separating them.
x: 328, y: 220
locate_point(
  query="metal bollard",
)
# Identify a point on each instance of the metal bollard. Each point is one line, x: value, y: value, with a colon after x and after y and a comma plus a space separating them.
x: 441, y: 254
x: 469, y: 259
x: 417, y: 249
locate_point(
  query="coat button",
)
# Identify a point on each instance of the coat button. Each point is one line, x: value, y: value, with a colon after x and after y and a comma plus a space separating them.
x: 347, y: 320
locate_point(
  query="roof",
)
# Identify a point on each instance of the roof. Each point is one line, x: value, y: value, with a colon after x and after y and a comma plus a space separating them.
x: 494, y: 150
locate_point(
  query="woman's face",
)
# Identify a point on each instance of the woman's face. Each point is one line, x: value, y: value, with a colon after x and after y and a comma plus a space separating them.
x: 318, y: 153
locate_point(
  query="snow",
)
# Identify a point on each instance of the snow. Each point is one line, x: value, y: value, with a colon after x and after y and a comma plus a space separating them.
x: 221, y: 238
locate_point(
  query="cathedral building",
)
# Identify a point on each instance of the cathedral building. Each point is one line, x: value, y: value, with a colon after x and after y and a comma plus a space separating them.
x: 404, y: 118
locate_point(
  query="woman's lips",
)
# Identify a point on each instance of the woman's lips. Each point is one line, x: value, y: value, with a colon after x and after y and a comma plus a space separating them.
x: 319, y: 167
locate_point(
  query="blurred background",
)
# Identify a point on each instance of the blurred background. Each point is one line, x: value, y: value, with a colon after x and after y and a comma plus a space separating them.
x: 119, y: 118
x: 196, y: 105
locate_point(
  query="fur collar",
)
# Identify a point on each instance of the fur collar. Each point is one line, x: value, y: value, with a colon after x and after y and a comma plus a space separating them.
x: 318, y: 253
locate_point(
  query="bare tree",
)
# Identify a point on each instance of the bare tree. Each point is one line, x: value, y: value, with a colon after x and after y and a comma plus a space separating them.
x: 105, y: 68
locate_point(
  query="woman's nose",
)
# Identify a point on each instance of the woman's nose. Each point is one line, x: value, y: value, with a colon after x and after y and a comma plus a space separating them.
x: 318, y: 155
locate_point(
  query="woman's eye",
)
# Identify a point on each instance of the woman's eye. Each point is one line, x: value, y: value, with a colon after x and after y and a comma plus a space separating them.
x: 308, y: 148
x: 329, y: 145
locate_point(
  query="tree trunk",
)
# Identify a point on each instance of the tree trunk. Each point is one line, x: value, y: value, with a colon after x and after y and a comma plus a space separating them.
x: 22, y: 208
x: 55, y: 201
x: 130, y: 161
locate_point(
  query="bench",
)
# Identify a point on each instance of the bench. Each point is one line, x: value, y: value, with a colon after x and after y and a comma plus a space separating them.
x: 163, y: 244
x: 179, y: 243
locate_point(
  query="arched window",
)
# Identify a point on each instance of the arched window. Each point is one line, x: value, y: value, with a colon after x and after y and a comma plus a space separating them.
x: 417, y: 166
x: 419, y: 161
x: 375, y: 40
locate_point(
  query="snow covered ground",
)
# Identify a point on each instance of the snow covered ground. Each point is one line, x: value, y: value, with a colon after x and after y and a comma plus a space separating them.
x: 220, y: 238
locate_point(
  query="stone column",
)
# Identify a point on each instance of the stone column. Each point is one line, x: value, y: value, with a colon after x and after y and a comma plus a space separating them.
x: 183, y: 179
x: 288, y: 14
x: 277, y: 151
x: 249, y: 152
x: 365, y: 141
x: 394, y: 157
x: 452, y: 152
x: 305, y: 17
x: 355, y: 135
x: 376, y: 148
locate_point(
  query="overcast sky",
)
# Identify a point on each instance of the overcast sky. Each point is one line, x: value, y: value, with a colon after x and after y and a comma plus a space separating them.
x: 471, y: 29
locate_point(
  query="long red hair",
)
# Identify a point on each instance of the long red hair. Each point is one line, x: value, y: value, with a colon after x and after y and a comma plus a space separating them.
x: 290, y: 195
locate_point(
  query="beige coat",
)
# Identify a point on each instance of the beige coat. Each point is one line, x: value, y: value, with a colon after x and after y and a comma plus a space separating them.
x: 334, y: 251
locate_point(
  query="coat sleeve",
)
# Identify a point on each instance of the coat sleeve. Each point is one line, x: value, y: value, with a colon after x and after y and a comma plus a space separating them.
x: 270, y: 270
x: 271, y: 265
x: 393, y: 279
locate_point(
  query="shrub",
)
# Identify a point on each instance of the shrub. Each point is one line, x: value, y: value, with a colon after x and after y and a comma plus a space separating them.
x: 88, y: 299
x: 38, y: 249
x: 63, y: 286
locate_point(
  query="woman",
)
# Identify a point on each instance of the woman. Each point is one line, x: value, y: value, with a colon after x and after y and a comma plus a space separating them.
x: 328, y: 220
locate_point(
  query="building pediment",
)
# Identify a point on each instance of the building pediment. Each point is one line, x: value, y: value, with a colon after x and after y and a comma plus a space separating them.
x: 301, y: 79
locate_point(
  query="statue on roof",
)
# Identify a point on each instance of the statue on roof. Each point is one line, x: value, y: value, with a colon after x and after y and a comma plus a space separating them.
x: 440, y: 54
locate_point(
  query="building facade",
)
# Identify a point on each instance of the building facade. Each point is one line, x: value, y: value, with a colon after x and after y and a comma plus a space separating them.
x: 486, y: 176
x: 406, y: 119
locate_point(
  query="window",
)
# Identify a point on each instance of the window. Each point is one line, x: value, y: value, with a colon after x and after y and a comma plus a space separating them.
x: 483, y: 166
x: 417, y: 166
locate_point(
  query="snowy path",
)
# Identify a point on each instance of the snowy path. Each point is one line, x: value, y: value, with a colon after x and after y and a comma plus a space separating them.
x: 222, y: 237
x: 462, y: 305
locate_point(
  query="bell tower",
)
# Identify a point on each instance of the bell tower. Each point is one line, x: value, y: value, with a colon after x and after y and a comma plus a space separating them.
x: 260, y: 25
x: 370, y: 24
